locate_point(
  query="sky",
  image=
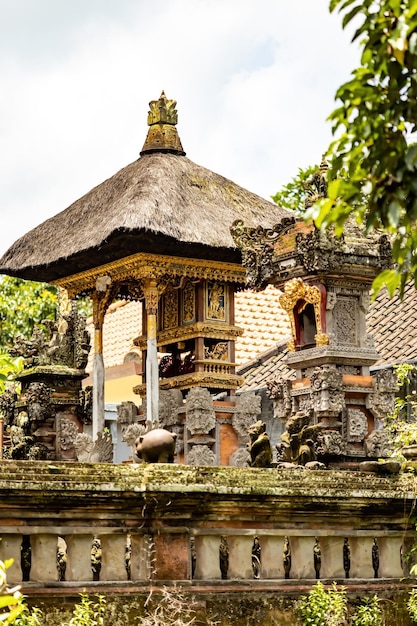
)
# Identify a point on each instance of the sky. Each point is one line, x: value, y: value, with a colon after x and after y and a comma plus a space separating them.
x: 254, y: 81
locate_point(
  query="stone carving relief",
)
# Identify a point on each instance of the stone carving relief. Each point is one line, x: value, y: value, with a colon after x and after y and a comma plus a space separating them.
x: 38, y: 396
x: 131, y: 433
x: 247, y: 412
x: 330, y: 442
x: 240, y: 458
x: 127, y: 413
x: 201, y: 455
x: 200, y: 414
x: 64, y: 342
x: 86, y: 405
x: 279, y: 390
x: 327, y: 395
x: 257, y: 247
x: 377, y: 444
x: 345, y: 320
x: 169, y: 403
x: 357, y: 425
x: 68, y: 434
x: 382, y: 401
x: 7, y: 404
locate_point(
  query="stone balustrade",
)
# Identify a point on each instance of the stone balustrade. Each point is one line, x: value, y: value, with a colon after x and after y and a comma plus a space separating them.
x: 88, y: 525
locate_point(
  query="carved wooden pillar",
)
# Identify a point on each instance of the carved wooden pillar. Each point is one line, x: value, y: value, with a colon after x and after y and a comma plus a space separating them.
x: 150, y: 290
x: 101, y: 300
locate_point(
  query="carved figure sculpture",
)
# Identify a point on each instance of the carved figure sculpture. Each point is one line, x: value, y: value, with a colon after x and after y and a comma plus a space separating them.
x: 286, y: 557
x: 224, y: 557
x: 346, y: 557
x: 375, y: 557
x: 256, y: 558
x: 298, y: 440
x: 89, y: 451
x: 259, y: 446
x: 156, y: 446
x: 317, y: 557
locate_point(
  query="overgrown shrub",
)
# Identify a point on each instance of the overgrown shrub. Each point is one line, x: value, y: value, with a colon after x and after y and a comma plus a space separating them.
x: 323, y: 607
x: 369, y: 613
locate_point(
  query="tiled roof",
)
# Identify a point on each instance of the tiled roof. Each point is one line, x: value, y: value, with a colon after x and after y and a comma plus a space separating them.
x: 393, y: 325
x: 264, y: 367
x: 264, y: 322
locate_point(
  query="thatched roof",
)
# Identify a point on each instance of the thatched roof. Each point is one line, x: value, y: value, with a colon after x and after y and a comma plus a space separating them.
x: 162, y: 203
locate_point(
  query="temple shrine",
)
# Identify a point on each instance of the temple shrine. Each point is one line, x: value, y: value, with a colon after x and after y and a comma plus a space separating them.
x: 157, y: 231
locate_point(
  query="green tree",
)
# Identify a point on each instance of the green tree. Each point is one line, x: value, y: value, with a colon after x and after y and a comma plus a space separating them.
x: 374, y: 154
x: 292, y: 196
x: 23, y: 304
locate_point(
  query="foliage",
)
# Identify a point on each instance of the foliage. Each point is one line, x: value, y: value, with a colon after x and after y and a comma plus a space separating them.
x: 9, y: 367
x: 11, y: 600
x: 28, y: 617
x: 23, y: 304
x: 374, y: 154
x: 292, y: 195
x: 323, y: 607
x: 402, y: 423
x: 369, y: 613
x: 89, y: 613
x: 412, y: 605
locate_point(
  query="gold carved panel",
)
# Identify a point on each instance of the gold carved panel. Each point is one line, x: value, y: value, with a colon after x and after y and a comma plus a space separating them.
x: 170, y: 309
x: 188, y: 303
x: 216, y: 301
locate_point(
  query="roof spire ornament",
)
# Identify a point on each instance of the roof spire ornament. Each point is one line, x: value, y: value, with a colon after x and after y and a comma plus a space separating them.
x: 162, y: 134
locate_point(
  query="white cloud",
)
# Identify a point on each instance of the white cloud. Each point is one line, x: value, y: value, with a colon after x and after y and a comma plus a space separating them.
x: 254, y: 82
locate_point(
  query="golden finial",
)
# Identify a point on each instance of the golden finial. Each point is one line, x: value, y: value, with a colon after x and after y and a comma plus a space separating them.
x: 162, y: 134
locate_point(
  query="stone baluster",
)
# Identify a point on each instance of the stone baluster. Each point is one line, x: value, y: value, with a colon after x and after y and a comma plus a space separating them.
x: 79, y: 557
x: 44, y: 549
x: 10, y: 548
x: 113, y: 557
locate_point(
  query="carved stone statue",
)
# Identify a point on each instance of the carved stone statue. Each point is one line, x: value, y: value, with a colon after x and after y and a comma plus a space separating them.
x: 89, y: 451
x: 297, y: 442
x: 259, y: 446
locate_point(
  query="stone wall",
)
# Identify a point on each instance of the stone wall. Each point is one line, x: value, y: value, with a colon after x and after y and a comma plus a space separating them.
x: 125, y: 530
